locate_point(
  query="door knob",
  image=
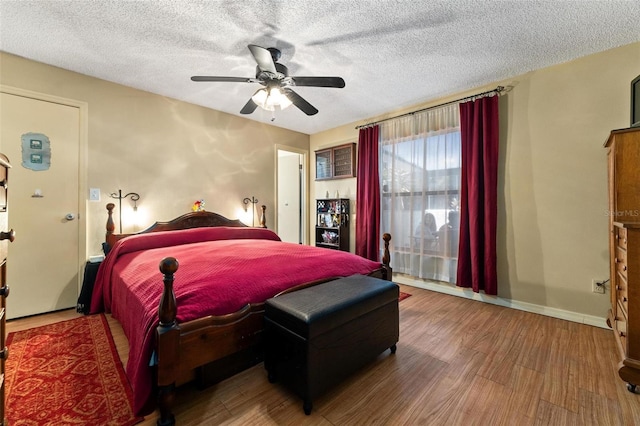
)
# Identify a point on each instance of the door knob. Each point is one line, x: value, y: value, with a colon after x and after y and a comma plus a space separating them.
x: 70, y: 216
x: 11, y: 235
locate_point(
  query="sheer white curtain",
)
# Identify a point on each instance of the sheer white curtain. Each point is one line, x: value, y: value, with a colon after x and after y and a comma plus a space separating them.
x: 420, y: 178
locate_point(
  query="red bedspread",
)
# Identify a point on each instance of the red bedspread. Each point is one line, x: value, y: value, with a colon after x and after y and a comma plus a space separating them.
x: 221, y: 270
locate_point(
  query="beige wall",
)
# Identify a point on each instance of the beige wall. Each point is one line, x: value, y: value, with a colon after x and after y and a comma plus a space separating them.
x: 552, y: 223
x: 172, y: 153
x: 552, y: 237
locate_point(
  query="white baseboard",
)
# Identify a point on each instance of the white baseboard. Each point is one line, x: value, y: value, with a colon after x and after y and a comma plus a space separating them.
x: 495, y: 300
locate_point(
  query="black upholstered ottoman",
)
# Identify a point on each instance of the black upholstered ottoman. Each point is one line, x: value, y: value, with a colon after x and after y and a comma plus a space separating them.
x: 317, y: 336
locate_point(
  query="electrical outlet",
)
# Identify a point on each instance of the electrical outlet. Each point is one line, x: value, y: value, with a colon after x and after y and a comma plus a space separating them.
x: 94, y: 194
x: 598, y: 286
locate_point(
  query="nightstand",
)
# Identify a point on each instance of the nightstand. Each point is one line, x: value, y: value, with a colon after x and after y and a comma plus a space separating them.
x: 90, y: 273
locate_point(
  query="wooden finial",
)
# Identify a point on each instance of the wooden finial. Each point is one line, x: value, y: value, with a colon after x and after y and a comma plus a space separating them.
x: 168, y: 308
x: 263, y: 217
x: 386, y: 257
x: 110, y: 225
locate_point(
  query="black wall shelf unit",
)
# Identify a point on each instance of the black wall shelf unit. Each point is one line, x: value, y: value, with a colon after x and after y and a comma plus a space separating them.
x: 332, y: 223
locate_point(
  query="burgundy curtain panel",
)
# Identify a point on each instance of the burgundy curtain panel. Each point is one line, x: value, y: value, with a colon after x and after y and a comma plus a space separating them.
x: 368, y: 195
x: 478, y: 195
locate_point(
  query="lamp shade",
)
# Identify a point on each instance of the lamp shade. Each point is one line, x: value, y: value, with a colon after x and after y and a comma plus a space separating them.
x: 271, y: 98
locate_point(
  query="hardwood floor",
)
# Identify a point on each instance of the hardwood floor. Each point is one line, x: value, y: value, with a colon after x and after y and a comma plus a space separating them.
x: 459, y: 362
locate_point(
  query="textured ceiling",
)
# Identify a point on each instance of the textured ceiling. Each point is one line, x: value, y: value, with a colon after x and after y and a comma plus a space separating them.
x: 392, y: 54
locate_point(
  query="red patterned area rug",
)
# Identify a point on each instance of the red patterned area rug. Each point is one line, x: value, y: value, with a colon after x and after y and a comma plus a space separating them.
x: 67, y: 373
x: 403, y: 296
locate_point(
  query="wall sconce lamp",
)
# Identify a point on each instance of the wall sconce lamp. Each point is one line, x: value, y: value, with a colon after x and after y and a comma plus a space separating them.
x: 253, y: 200
x: 134, y: 197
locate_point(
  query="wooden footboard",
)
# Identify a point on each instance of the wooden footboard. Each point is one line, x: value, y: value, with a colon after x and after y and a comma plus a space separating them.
x: 184, y: 347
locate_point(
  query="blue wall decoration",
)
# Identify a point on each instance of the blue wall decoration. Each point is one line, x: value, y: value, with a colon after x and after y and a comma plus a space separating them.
x: 36, y: 152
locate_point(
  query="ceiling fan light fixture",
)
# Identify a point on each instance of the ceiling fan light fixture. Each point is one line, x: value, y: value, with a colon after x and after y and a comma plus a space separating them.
x: 270, y: 99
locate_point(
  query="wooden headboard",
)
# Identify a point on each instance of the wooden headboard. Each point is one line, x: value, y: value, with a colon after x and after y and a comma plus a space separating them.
x: 201, y: 219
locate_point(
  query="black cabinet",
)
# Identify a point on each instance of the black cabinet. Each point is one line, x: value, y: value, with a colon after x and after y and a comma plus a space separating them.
x: 332, y: 223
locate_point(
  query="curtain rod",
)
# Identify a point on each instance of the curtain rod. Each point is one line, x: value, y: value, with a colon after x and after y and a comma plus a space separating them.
x: 497, y: 90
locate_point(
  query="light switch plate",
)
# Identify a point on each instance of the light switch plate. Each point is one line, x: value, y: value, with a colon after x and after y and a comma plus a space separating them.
x: 94, y: 194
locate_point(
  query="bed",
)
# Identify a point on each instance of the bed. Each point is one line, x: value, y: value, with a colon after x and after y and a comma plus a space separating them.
x: 207, y: 325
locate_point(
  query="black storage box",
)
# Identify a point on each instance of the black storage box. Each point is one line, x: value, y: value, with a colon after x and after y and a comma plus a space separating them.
x: 317, y: 336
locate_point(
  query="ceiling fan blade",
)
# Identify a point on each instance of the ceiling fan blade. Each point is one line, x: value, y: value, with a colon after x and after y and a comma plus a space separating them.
x: 319, y: 81
x: 224, y: 79
x: 249, y: 107
x: 299, y: 102
x: 263, y: 58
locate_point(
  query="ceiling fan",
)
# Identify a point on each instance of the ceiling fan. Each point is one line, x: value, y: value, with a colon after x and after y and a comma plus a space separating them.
x: 274, y: 76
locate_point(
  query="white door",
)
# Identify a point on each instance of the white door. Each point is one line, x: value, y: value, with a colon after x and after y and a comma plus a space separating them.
x: 43, y: 270
x: 290, y: 196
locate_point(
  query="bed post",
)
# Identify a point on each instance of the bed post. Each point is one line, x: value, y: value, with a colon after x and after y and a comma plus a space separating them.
x: 167, y: 342
x: 386, y: 256
x: 263, y: 216
x: 110, y: 225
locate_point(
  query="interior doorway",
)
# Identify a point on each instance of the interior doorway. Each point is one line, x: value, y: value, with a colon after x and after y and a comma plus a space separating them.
x: 45, y: 204
x: 291, y: 195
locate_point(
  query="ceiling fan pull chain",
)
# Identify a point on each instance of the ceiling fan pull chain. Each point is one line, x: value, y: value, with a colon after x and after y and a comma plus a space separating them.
x: 273, y: 114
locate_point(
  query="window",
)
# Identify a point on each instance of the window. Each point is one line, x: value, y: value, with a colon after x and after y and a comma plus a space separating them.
x: 420, y: 172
